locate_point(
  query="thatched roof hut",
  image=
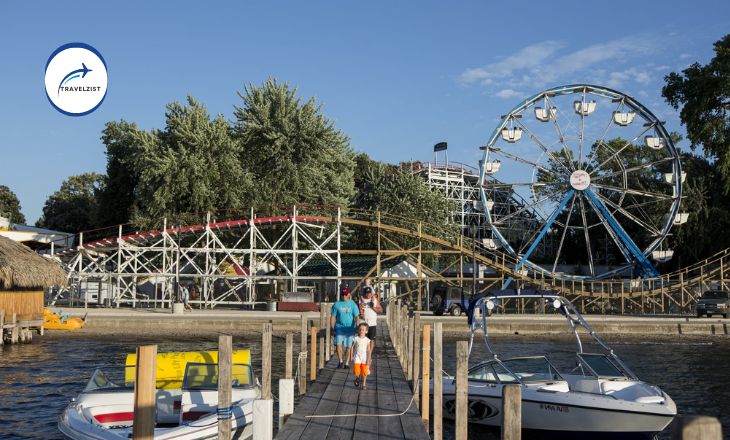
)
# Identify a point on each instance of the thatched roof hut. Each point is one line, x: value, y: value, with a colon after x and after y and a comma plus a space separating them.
x: 23, y: 269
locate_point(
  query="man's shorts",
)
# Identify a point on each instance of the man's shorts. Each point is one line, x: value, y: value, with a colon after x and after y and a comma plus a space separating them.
x: 361, y: 370
x: 345, y: 340
x: 372, y: 332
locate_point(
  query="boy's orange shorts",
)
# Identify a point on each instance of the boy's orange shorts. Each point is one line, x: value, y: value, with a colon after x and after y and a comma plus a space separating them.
x: 361, y: 370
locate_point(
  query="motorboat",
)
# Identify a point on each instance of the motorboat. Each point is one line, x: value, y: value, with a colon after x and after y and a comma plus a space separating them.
x: 189, y: 410
x: 599, y: 398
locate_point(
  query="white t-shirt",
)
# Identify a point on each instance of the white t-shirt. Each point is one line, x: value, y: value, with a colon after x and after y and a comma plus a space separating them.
x: 368, y: 314
x: 360, y: 350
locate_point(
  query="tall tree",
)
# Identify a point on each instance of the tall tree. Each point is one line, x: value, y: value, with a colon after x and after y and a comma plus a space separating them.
x: 296, y: 154
x: 117, y: 195
x: 73, y: 207
x: 193, y: 165
x: 703, y: 92
x: 10, y: 206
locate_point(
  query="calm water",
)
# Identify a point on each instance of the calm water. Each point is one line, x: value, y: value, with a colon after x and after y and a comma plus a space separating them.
x: 39, y: 379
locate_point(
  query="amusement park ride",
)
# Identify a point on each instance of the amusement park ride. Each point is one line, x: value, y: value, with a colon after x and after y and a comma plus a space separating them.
x: 574, y: 175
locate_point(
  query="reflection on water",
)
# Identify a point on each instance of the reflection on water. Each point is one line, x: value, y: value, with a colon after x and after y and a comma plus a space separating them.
x: 39, y: 379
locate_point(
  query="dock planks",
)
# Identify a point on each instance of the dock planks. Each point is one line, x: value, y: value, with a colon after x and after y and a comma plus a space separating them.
x: 334, y: 392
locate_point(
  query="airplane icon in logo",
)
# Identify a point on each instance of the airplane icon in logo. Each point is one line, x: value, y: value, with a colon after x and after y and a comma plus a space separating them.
x: 75, y: 74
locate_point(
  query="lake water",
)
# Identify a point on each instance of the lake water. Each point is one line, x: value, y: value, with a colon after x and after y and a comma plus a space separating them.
x: 38, y: 380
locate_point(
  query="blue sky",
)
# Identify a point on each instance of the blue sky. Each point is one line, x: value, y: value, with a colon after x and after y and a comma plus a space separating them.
x: 396, y: 77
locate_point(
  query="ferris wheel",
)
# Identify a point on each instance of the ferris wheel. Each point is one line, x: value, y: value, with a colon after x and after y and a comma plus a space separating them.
x: 597, y: 169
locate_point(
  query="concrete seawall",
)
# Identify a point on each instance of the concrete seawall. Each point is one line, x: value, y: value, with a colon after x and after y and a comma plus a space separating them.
x: 145, y: 321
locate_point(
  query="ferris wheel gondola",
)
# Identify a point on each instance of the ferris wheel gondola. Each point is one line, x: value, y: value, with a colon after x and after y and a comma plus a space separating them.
x: 601, y: 172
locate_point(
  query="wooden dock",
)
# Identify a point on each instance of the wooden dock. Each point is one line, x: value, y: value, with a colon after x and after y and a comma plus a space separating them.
x: 334, y: 393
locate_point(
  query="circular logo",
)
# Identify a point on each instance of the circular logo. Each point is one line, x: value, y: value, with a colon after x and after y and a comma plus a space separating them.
x: 580, y: 180
x: 76, y: 79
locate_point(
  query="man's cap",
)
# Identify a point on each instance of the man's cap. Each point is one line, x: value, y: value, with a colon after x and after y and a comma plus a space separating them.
x: 345, y: 291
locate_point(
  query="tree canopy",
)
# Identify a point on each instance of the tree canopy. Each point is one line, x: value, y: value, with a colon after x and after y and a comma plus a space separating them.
x: 294, y: 152
x: 703, y: 92
x: 10, y: 206
x: 73, y: 208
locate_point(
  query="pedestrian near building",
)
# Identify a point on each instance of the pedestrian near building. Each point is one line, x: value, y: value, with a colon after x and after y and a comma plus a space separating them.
x: 343, y: 320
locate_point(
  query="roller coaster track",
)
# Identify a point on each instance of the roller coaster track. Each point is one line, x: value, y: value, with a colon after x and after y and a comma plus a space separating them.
x: 670, y: 293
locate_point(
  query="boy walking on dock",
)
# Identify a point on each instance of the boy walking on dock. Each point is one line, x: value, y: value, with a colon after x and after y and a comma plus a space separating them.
x: 362, y: 351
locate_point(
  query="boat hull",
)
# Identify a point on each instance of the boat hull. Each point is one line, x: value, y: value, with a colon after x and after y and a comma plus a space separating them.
x: 575, y: 415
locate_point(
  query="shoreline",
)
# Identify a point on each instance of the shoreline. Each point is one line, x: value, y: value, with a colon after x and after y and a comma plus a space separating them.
x: 204, y: 323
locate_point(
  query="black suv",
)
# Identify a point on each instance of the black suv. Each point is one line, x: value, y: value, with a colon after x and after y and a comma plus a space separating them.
x: 713, y: 302
x: 449, y: 299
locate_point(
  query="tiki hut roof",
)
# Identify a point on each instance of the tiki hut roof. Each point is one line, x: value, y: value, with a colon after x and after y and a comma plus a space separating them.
x: 23, y: 269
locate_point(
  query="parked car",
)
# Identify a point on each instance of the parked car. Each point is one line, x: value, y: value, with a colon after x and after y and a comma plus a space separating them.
x: 714, y: 302
x: 450, y: 299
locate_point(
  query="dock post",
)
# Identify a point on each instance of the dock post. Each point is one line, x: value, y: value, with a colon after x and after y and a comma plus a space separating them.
x: 263, y: 419
x: 462, y: 398
x: 2, y: 328
x: 313, y: 360
x: 328, y: 339
x: 286, y: 400
x: 416, y: 357
x: 14, y: 332
x: 144, y: 393
x: 512, y: 412
x: 426, y: 376
x: 696, y: 428
x: 225, y: 378
x: 302, y: 360
x: 266, y: 361
x: 288, y: 357
x: 438, y: 382
x: 321, y: 352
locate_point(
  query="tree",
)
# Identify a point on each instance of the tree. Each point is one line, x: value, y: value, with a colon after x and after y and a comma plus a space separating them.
x: 703, y: 92
x: 295, y: 153
x: 406, y: 197
x: 191, y: 166
x: 117, y: 195
x: 10, y: 206
x: 73, y: 207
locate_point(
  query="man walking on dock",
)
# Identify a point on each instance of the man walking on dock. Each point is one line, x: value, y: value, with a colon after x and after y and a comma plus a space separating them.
x: 369, y: 308
x: 343, y: 320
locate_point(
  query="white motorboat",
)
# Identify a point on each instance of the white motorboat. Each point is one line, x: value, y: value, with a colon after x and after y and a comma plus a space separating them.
x: 105, y: 410
x: 600, y: 398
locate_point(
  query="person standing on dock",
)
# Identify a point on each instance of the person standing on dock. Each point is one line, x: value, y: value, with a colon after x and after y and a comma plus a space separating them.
x: 369, y: 308
x: 343, y: 320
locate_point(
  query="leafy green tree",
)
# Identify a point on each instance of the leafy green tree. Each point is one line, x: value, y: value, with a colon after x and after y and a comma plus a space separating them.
x: 117, y: 195
x: 73, y: 207
x: 10, y: 206
x: 295, y: 153
x: 191, y: 166
x: 400, y: 195
x: 703, y: 92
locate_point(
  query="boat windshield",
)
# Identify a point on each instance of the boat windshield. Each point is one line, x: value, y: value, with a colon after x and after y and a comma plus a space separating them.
x: 600, y: 365
x: 533, y: 369
x: 202, y: 376
x: 101, y: 381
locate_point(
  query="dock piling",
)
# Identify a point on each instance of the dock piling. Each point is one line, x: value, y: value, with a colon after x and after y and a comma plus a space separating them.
x: 438, y: 384
x: 266, y: 361
x: 286, y: 400
x: 462, y: 398
x: 696, y: 428
x: 225, y: 354
x: 263, y: 419
x: 512, y: 412
x: 144, y: 393
x: 288, y: 369
x: 313, y: 359
x: 426, y: 376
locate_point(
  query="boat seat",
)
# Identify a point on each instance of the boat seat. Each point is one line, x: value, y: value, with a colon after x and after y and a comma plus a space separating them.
x: 586, y: 386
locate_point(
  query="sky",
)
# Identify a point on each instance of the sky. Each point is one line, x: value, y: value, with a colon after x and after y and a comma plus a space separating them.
x: 396, y: 77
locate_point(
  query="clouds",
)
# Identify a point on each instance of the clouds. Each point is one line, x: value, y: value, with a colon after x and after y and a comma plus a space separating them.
x: 614, y: 63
